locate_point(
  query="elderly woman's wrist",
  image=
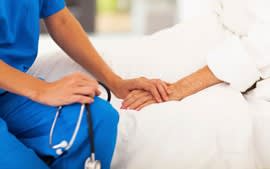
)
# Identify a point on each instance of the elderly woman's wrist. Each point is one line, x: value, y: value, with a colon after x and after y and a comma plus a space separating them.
x: 178, y: 92
x: 184, y: 88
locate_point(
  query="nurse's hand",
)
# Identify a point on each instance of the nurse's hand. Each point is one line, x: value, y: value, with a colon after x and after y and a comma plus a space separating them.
x: 75, y: 88
x: 157, y: 88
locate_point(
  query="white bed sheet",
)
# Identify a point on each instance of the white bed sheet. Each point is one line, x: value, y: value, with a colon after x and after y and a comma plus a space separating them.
x: 144, y: 143
x: 261, y: 126
x: 197, y: 133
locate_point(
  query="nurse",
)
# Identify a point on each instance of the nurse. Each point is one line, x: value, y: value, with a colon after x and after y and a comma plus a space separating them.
x: 28, y: 104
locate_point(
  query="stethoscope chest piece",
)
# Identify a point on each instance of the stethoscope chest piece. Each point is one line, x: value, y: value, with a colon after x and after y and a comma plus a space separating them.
x: 92, y: 164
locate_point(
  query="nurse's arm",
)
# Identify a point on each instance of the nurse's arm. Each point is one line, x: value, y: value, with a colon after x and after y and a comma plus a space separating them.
x: 71, y: 89
x: 18, y: 82
x: 69, y: 35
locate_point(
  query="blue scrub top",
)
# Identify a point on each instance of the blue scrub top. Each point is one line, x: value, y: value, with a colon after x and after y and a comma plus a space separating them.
x: 19, y: 29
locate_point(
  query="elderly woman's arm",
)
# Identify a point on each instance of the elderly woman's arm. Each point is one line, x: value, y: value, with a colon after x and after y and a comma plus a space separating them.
x: 185, y: 87
x: 201, y: 79
x: 240, y: 60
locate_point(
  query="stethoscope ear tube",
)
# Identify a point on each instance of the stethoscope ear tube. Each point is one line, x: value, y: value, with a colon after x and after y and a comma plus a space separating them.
x: 90, y: 121
x: 64, y: 145
x: 91, y: 162
x: 90, y: 129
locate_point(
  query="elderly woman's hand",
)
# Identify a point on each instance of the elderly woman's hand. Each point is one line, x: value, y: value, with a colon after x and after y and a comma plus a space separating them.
x: 137, y: 97
x: 185, y: 87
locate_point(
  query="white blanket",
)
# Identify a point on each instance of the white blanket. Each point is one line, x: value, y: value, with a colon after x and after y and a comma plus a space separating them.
x: 209, y: 130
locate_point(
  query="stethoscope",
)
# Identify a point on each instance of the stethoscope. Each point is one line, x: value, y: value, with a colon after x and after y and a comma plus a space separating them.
x: 64, y: 145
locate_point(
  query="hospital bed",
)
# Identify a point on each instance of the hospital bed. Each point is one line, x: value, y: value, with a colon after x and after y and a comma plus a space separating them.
x: 53, y: 64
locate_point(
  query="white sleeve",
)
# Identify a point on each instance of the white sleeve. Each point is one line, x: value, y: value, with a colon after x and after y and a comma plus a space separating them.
x: 231, y: 63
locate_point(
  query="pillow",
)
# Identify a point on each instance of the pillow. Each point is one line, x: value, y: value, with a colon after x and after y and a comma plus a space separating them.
x: 169, y: 54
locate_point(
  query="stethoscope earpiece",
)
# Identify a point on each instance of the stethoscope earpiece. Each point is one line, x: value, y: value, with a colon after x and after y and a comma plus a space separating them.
x: 59, y: 147
x: 59, y: 151
x: 63, y: 144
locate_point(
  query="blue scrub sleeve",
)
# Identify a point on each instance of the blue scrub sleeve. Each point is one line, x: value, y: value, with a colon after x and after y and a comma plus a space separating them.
x: 50, y: 7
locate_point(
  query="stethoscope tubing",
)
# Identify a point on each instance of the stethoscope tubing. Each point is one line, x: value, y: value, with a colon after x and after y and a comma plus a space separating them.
x: 75, y: 132
x: 78, y: 124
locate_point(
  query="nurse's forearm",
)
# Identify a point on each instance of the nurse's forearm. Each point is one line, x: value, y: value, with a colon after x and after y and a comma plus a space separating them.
x: 69, y: 35
x: 18, y: 82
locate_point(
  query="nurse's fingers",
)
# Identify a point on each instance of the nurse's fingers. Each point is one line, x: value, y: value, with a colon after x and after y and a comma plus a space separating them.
x: 166, y: 86
x: 84, y: 82
x: 154, y: 91
x: 81, y: 99
x: 147, y: 85
x: 162, y: 89
x: 80, y: 79
x: 85, y: 77
x: 87, y: 91
x: 91, y: 85
x: 88, y: 82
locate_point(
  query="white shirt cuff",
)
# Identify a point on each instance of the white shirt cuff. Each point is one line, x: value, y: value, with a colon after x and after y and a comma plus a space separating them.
x: 231, y: 63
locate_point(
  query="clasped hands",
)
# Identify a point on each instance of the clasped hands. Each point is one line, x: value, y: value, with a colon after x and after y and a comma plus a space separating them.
x: 139, y: 99
x: 80, y: 88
